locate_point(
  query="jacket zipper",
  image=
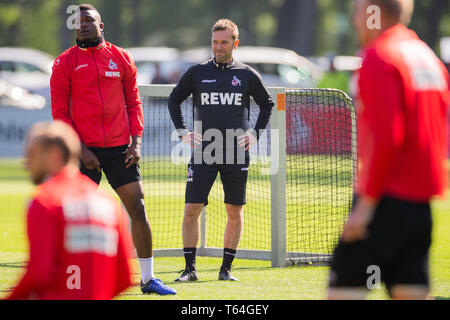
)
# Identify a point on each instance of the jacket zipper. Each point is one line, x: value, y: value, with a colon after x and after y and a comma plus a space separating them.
x: 101, y: 98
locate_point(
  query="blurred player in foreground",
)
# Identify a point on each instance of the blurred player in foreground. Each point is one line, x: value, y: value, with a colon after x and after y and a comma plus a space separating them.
x: 78, y: 238
x: 94, y: 90
x: 402, y: 106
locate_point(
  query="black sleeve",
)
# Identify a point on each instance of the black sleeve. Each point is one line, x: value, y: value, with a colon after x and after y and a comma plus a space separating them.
x: 263, y: 99
x: 181, y: 91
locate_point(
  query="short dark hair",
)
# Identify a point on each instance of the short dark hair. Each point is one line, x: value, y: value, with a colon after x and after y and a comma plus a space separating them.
x: 226, y: 24
x: 392, y: 8
x: 86, y: 6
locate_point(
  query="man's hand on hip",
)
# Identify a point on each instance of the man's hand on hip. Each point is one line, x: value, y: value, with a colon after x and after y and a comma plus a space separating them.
x: 192, y: 139
x: 134, y: 152
x: 362, y: 214
x: 247, y: 140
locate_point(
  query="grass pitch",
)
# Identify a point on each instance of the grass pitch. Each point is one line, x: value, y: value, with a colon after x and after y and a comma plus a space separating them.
x: 257, y: 279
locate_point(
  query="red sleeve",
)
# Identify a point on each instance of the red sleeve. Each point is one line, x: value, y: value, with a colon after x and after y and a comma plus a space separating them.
x: 132, y: 99
x: 42, y: 253
x: 60, y: 91
x: 381, y: 91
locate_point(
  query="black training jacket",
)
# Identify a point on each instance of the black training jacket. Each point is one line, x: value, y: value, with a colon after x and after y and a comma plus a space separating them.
x: 221, y: 97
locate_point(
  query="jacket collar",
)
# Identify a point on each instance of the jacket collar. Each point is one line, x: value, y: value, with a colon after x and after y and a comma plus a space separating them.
x: 101, y: 45
x: 222, y: 66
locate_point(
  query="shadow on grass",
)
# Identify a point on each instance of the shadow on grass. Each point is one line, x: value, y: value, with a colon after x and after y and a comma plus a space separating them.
x: 6, y: 291
x: 217, y: 269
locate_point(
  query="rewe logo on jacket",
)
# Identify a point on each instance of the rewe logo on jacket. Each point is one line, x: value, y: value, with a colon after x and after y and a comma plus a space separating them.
x: 221, y: 98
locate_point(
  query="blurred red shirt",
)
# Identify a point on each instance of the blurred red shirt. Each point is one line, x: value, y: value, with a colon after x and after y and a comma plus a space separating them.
x: 402, y: 118
x: 79, y: 242
x: 95, y: 91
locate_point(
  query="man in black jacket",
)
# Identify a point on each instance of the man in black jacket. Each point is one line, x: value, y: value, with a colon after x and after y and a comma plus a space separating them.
x: 221, y: 88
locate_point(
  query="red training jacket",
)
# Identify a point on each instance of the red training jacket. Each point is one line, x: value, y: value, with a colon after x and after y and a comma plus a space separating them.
x: 402, y: 118
x: 95, y: 91
x: 79, y: 243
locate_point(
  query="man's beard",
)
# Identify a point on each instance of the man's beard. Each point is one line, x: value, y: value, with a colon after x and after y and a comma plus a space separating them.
x: 39, y: 179
x: 223, y: 59
x: 223, y: 56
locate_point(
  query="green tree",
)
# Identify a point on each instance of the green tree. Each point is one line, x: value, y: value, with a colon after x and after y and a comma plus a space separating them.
x: 309, y: 27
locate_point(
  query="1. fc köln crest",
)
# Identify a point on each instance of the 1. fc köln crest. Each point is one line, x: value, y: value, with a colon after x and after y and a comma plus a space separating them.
x: 235, y: 82
x: 112, y: 65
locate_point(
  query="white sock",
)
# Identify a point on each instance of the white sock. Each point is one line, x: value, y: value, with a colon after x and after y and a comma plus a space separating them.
x: 146, y: 266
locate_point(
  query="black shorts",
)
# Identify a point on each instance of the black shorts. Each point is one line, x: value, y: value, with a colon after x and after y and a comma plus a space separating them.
x: 201, y: 177
x: 398, y: 243
x: 112, y: 162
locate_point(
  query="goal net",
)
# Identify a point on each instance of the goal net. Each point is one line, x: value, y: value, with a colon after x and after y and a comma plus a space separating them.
x: 300, y: 183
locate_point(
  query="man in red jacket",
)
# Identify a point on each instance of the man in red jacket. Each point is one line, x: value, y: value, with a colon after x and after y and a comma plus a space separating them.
x: 78, y: 238
x: 402, y: 142
x: 93, y: 89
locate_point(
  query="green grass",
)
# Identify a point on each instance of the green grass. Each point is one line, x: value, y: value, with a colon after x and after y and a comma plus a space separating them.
x: 314, y: 204
x: 257, y: 279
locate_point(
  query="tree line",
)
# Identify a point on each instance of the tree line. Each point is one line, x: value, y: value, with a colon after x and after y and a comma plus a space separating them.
x: 309, y: 27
